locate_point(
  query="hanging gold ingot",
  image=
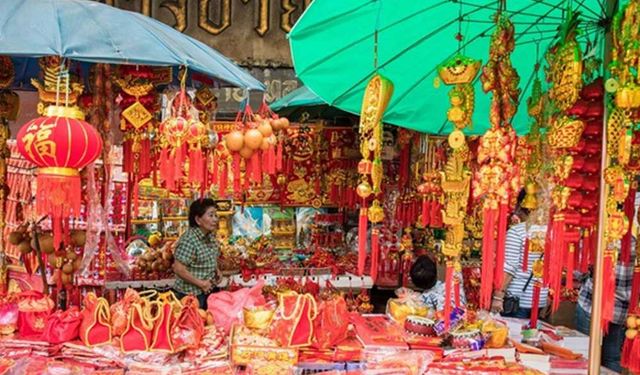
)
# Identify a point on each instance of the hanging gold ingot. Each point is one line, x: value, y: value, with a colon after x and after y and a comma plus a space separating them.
x: 376, y: 212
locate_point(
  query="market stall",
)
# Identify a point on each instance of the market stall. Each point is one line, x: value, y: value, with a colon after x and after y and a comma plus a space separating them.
x: 314, y: 216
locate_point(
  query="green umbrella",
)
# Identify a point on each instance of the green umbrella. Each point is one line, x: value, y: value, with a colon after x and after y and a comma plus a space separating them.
x: 302, y: 104
x: 332, y: 47
x: 300, y: 97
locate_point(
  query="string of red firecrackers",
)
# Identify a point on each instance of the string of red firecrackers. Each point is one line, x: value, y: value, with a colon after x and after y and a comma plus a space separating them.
x: 497, y: 180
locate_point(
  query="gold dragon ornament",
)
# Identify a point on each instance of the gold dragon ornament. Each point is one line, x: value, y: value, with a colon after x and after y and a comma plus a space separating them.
x: 376, y: 98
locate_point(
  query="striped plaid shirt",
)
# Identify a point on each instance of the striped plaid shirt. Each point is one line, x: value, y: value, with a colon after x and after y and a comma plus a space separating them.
x: 514, y: 256
x: 199, y: 253
x: 624, y: 281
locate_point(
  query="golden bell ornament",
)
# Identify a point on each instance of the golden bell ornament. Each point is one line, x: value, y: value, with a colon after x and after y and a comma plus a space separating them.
x: 530, y: 201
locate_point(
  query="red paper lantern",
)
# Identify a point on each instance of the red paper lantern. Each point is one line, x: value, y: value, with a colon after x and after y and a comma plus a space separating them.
x: 60, y: 144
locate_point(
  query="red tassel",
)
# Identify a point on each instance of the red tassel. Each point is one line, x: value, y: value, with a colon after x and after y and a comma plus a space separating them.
x: 586, y: 251
x: 436, y: 214
x: 608, y: 289
x: 500, y: 252
x: 626, y: 358
x: 279, y: 157
x: 135, y: 195
x: 447, y: 295
x: 196, y: 168
x: 214, y: 173
x: 535, y: 305
x: 403, y: 176
x: 525, y: 257
x: 222, y: 181
x: 629, y: 209
x: 236, y: 173
x: 570, y: 265
x: 488, y: 246
x: 426, y: 212
x: 635, y: 290
x: 256, y: 170
x: 456, y: 291
x: 362, y: 238
x: 375, y: 253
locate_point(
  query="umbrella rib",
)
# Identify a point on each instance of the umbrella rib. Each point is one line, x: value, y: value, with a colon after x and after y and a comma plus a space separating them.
x: 521, y: 13
x: 368, y: 36
x: 413, y: 45
x: 448, y: 57
x: 334, y: 18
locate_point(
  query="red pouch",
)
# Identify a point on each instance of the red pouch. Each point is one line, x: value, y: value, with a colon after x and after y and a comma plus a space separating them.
x: 8, y: 317
x: 139, y: 332
x: 168, y: 309
x: 120, y: 311
x: 189, y: 328
x: 96, y: 321
x: 34, y: 309
x: 331, y: 324
x: 293, y: 325
x: 63, y: 326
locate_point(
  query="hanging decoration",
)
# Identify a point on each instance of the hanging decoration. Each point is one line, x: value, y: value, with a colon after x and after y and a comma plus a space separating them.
x: 624, y: 85
x: 431, y: 188
x: 60, y: 144
x: 376, y: 98
x: 497, y: 179
x: 138, y: 102
x: 9, y: 106
x: 183, y: 138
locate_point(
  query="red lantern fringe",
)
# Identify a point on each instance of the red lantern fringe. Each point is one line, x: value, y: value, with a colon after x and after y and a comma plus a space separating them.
x: 488, y: 252
x: 525, y: 257
x: 375, y: 253
x: 60, y: 197
x: 629, y: 210
x: 500, y: 252
x: 362, y: 238
x: 426, y: 212
x: 447, y: 295
x: 535, y: 305
x: 196, y: 167
x: 608, y: 289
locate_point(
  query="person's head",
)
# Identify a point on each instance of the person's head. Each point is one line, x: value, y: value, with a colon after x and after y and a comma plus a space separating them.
x: 520, y: 214
x: 203, y: 215
x: 424, y: 272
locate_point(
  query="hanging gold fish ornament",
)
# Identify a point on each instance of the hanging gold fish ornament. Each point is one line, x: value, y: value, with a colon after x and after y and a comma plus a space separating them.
x: 376, y: 98
x: 565, y: 65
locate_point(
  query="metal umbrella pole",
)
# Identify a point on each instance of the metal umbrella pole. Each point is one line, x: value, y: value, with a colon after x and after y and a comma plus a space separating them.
x: 595, y: 330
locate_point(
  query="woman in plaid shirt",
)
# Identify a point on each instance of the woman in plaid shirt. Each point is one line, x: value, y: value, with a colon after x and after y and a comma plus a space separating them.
x: 196, y: 253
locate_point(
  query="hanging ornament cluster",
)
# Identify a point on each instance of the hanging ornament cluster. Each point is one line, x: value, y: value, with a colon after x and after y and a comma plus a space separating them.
x: 183, y: 138
x: 138, y: 102
x: 455, y: 180
x: 497, y: 179
x: 253, y: 148
x: 621, y: 172
x: 376, y: 98
x: 564, y: 74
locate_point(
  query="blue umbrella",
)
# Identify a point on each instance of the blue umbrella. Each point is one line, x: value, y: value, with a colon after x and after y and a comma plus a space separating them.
x: 97, y: 33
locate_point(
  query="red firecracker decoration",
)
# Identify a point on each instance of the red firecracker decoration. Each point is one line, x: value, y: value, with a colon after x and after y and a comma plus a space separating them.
x: 60, y: 144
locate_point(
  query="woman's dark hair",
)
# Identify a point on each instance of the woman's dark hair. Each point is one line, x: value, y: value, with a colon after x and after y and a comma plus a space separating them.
x: 424, y: 272
x: 519, y: 210
x: 198, y: 208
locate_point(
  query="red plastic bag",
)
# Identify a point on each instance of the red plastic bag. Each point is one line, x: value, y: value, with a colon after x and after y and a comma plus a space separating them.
x: 63, y: 326
x: 331, y: 324
x: 226, y: 307
x: 34, y: 309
